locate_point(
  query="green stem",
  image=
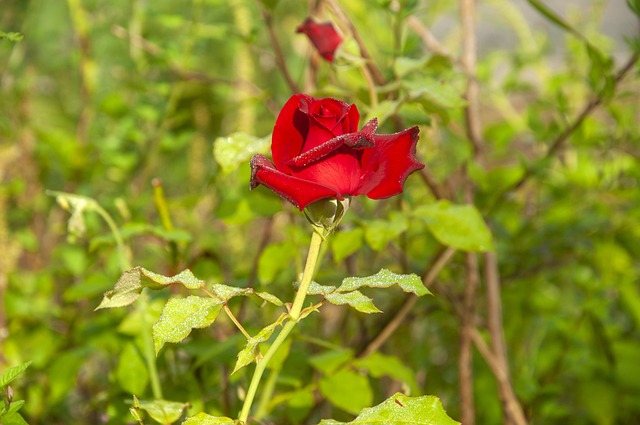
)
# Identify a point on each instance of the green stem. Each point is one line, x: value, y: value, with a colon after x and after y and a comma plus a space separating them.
x: 147, y: 340
x: 312, y: 258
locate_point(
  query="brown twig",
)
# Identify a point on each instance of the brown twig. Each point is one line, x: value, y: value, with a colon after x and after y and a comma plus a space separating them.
x: 364, y: 52
x: 472, y: 280
x: 469, y: 56
x: 277, y: 49
x: 465, y: 360
x: 511, y: 405
x: 440, y: 261
x: 431, y: 182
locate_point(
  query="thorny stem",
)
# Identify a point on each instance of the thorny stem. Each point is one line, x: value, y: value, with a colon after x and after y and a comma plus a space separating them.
x: 317, y: 238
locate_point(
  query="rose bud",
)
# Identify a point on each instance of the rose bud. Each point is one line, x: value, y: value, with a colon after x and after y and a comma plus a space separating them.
x: 323, y: 36
x: 319, y: 153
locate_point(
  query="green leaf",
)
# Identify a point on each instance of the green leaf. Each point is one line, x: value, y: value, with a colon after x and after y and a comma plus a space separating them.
x: 225, y: 293
x: 330, y: 361
x: 402, y: 410
x: 346, y: 242
x: 13, y: 419
x: 383, y: 365
x: 238, y: 148
x: 634, y: 5
x: 12, y: 373
x: 273, y: 259
x: 163, y: 411
x: 181, y: 315
x: 382, y: 111
x: 458, y: 226
x: 348, y: 390
x: 404, y: 66
x: 250, y: 352
x: 383, y: 279
x: 317, y: 289
x: 131, y: 283
x: 132, y: 373
x: 353, y: 299
x: 204, y: 419
x: 379, y: 233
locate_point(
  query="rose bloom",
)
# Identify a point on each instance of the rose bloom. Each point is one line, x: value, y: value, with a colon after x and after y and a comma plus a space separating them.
x: 323, y: 36
x: 319, y: 153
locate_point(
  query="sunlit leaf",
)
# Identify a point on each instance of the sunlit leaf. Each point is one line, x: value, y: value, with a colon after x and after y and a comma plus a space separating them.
x: 181, y: 315
x: 238, y: 148
x: 12, y: 373
x: 250, y: 352
x: 400, y: 409
x: 204, y: 419
x: 458, y: 226
x: 131, y: 283
x: 163, y: 411
x: 383, y: 279
x: 353, y: 299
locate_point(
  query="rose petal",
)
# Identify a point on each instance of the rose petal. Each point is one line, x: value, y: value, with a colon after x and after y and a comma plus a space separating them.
x: 387, y: 165
x: 295, y: 190
x: 323, y: 36
x: 358, y: 140
x: 290, y: 131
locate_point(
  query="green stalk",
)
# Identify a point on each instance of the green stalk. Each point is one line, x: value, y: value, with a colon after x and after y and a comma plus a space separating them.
x: 147, y: 341
x: 317, y: 238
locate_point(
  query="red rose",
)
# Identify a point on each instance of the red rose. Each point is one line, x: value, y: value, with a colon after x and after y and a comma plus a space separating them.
x: 323, y: 36
x: 319, y: 153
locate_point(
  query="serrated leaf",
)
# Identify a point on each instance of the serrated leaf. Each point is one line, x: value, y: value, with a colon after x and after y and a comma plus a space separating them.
x: 131, y: 283
x: 250, y: 352
x: 181, y: 315
x: 401, y: 410
x: 382, y: 111
x: 163, y: 411
x: 238, y: 148
x: 317, y: 289
x: 204, y: 419
x: 347, y: 390
x: 383, y: 279
x: 225, y: 293
x: 353, y: 299
x: 12, y: 373
x: 458, y: 226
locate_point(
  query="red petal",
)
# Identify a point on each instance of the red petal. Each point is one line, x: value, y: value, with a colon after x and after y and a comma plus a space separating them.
x: 387, y: 165
x: 359, y: 140
x: 295, y: 190
x: 323, y: 36
x: 289, y: 131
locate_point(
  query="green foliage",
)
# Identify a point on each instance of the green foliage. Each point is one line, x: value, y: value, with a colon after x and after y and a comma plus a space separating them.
x: 204, y: 419
x: 181, y: 315
x: 103, y: 98
x: 400, y: 409
x: 163, y: 411
x: 458, y: 226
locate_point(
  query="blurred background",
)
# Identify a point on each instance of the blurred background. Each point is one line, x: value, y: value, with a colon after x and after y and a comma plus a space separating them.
x: 152, y: 109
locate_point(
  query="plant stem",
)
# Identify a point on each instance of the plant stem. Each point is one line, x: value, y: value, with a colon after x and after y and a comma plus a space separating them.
x: 147, y: 341
x: 312, y: 258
